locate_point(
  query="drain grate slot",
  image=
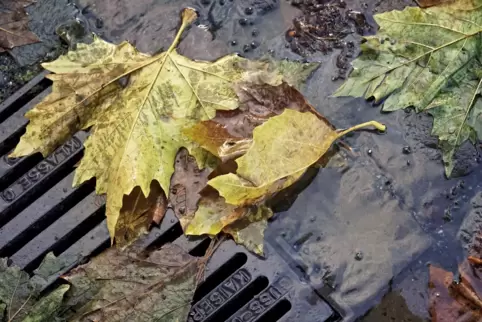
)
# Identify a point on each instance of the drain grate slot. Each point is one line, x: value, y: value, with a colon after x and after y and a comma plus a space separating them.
x: 24, y: 95
x: 12, y: 168
x: 239, y: 300
x: 41, y: 213
x: 276, y: 312
x: 13, y: 127
x: 40, y: 178
x: 222, y: 273
x: 62, y: 232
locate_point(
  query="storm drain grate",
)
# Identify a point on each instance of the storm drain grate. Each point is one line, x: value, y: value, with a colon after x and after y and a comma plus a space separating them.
x: 40, y: 212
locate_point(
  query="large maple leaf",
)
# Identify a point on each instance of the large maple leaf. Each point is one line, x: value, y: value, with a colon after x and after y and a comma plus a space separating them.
x: 429, y: 59
x: 137, y: 106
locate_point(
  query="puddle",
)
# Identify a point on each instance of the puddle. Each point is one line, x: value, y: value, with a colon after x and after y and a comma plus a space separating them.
x: 366, y: 229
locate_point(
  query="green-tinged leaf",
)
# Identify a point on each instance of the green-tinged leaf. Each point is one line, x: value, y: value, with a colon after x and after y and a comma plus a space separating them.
x: 245, y: 224
x: 46, y: 309
x: 294, y: 74
x: 426, y: 58
x: 20, y: 300
x: 283, y: 148
x: 212, y: 215
x: 137, y: 106
x: 118, y: 286
x: 249, y: 230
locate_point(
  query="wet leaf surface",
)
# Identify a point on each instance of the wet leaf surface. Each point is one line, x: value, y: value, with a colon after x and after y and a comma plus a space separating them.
x: 137, y: 106
x: 118, y: 286
x: 430, y: 3
x: 20, y: 297
x: 138, y: 213
x: 456, y: 300
x: 14, y: 29
x: 283, y: 148
x: 249, y: 230
x: 187, y: 183
x: 426, y: 58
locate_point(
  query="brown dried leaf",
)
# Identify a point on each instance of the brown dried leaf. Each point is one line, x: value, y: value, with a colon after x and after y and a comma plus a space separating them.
x: 451, y: 301
x: 215, y: 138
x: 186, y: 185
x: 230, y: 133
x: 14, y: 29
x: 138, y: 212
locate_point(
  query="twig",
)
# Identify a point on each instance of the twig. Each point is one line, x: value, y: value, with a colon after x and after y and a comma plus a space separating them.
x: 215, y: 242
x: 13, y: 296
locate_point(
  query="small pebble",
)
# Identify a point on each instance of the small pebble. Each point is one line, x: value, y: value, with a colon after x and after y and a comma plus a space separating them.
x: 406, y: 150
x: 243, y: 21
x: 255, y: 33
x: 369, y: 151
x: 254, y: 45
x: 249, y: 10
x: 234, y: 42
x: 359, y: 256
x: 246, y: 48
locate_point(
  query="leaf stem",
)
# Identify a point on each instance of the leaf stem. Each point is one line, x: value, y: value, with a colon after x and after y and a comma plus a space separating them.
x: 188, y: 17
x: 375, y: 124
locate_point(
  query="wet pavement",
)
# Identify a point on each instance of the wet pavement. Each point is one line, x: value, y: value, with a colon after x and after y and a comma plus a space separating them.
x: 369, y: 229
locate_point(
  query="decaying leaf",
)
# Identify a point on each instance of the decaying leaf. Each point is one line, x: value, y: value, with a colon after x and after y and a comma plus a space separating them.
x: 117, y: 286
x: 14, y: 29
x: 429, y: 59
x: 212, y: 215
x: 216, y: 139
x: 187, y: 183
x: 257, y: 103
x: 430, y: 3
x: 249, y: 230
x: 456, y: 300
x: 283, y: 148
x: 137, y: 106
x: 245, y: 224
x: 19, y: 297
x: 138, y: 212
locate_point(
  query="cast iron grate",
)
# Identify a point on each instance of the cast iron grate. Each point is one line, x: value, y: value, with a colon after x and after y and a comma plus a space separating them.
x: 40, y: 212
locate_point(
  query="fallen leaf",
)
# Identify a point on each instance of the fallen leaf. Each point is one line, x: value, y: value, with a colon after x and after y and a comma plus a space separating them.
x: 20, y: 300
x: 137, y: 106
x: 138, y: 213
x: 245, y: 224
x: 429, y: 59
x: 216, y: 139
x: 283, y: 148
x: 14, y: 29
x: 452, y: 300
x: 229, y: 134
x: 187, y: 183
x: 117, y: 286
x: 430, y: 3
x: 212, y: 215
x: 249, y: 230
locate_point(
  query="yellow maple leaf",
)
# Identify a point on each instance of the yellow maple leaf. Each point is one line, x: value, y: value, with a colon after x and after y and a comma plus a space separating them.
x: 282, y: 149
x: 137, y: 106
